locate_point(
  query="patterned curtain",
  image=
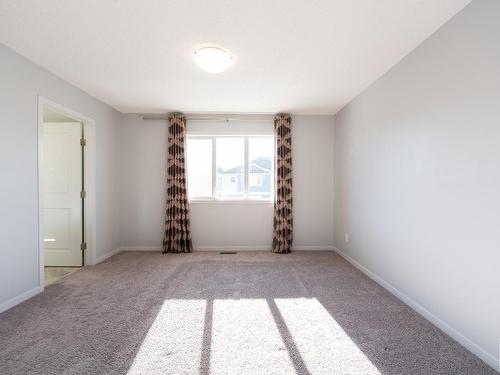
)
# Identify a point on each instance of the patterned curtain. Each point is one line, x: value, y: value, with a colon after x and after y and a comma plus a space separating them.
x: 283, y: 216
x: 177, y: 237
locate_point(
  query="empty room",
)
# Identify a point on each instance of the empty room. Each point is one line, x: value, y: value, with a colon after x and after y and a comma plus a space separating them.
x: 250, y: 187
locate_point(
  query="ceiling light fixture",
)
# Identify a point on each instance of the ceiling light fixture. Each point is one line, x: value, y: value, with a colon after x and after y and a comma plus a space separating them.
x: 213, y: 59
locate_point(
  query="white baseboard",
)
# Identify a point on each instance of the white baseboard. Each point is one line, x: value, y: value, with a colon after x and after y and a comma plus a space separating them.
x: 107, y: 255
x: 232, y: 248
x: 200, y: 248
x: 261, y: 248
x: 140, y: 248
x: 20, y: 298
x: 313, y: 248
x: 450, y: 331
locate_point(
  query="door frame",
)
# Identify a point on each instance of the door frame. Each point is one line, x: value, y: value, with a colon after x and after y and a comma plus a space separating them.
x: 89, y: 171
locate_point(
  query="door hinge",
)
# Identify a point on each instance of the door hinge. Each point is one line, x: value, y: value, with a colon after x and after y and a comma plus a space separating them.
x: 83, y: 246
x: 83, y: 142
x: 83, y: 194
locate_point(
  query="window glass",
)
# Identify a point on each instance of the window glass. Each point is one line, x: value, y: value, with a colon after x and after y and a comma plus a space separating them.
x: 199, y: 166
x: 223, y: 174
x: 230, y: 161
x: 260, y: 168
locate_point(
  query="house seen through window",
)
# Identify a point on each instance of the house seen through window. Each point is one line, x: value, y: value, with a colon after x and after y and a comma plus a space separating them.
x: 230, y: 167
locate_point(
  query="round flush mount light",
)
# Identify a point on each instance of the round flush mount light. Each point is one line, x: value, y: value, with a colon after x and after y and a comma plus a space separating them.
x: 213, y: 59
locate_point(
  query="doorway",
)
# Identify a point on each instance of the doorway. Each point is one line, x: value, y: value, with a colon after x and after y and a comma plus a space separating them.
x: 65, y: 216
x: 63, y: 192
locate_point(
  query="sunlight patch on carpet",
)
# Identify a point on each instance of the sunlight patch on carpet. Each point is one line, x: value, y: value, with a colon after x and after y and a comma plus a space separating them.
x: 173, y: 343
x: 248, y: 336
x: 245, y: 339
x: 322, y: 343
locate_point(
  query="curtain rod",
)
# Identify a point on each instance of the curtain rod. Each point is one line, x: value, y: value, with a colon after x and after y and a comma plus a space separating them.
x: 213, y: 117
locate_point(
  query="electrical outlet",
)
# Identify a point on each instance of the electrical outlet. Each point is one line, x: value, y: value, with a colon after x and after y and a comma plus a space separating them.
x: 346, y: 236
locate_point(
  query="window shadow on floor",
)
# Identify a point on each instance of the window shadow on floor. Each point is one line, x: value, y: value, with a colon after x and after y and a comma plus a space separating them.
x: 207, y: 339
x: 286, y: 337
x: 201, y: 314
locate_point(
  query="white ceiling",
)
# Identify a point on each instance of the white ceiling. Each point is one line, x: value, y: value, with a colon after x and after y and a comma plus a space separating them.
x: 301, y: 56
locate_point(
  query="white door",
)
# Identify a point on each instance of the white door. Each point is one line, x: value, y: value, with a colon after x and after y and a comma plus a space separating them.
x: 62, y: 183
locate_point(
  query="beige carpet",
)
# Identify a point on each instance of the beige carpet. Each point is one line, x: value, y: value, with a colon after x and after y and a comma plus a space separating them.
x: 205, y: 313
x: 53, y: 274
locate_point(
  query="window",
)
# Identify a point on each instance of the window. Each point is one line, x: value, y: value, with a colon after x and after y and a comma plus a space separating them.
x: 260, y: 168
x: 229, y: 162
x: 199, y: 161
x: 230, y: 167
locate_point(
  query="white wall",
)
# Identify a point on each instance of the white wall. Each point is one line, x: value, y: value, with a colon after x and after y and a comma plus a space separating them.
x: 312, y: 154
x: 417, y: 177
x: 21, y: 83
x: 242, y: 226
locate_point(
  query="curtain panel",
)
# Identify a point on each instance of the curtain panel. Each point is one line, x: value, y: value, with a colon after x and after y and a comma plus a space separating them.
x: 177, y: 238
x: 283, y: 203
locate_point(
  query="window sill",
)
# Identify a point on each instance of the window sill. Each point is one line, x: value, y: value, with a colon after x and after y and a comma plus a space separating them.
x: 232, y: 201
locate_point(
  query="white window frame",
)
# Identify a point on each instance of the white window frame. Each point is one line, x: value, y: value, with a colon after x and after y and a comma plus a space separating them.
x: 246, y: 198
